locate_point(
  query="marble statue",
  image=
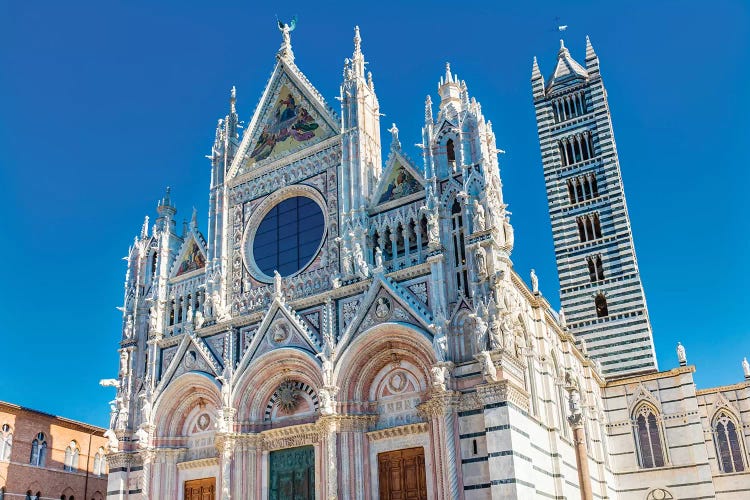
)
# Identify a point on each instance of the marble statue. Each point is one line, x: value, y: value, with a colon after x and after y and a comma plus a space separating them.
x: 681, y: 356
x: 479, y: 217
x: 534, y: 282
x: 488, y: 367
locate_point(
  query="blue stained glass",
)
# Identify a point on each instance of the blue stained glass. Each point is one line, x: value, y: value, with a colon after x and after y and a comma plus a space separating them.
x: 288, y: 236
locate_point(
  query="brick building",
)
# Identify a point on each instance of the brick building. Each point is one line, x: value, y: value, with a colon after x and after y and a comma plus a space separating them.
x: 43, y: 456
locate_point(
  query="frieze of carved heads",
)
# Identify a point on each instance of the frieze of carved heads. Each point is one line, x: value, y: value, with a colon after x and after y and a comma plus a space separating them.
x: 284, y: 176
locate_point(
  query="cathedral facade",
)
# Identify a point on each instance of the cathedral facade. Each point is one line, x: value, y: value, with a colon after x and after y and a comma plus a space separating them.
x: 351, y: 326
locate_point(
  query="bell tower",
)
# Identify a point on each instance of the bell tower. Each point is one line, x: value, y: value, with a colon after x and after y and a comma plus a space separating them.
x: 600, y: 285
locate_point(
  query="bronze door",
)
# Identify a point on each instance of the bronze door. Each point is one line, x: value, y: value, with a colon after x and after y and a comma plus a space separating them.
x: 200, y: 489
x: 401, y: 475
x: 292, y: 474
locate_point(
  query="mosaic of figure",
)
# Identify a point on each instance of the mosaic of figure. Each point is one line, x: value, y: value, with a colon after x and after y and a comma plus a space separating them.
x: 399, y: 184
x: 289, y: 125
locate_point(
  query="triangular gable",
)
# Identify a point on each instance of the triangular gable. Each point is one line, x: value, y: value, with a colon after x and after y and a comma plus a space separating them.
x: 192, y: 355
x: 281, y: 327
x: 400, y: 181
x: 291, y: 116
x: 385, y: 301
x: 191, y: 256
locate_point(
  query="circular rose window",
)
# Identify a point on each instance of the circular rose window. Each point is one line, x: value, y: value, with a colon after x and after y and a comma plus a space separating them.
x: 288, y: 237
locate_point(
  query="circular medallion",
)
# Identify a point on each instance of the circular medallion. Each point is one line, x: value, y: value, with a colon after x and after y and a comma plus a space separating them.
x: 203, y: 421
x: 287, y: 238
x: 397, y: 382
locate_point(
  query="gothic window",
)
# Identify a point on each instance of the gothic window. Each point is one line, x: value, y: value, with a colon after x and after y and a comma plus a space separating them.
x: 39, y: 450
x: 412, y: 233
x: 597, y: 226
x: 599, y: 267
x: 648, y: 437
x: 459, y: 248
x: 592, y: 268
x: 581, y: 229
x: 571, y: 191
x: 71, y: 457
x: 450, y: 151
x: 582, y: 188
x: 6, y: 442
x: 728, y: 445
x: 171, y: 312
x: 601, y: 305
x: 99, y: 462
x: 594, y: 188
x: 376, y: 243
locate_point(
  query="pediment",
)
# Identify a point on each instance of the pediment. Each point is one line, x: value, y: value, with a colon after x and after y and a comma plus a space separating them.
x: 192, y: 354
x: 290, y: 117
x: 401, y: 182
x: 281, y: 327
x: 385, y: 301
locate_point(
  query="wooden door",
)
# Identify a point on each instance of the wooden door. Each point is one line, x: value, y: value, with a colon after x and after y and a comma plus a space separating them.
x: 401, y: 475
x: 201, y: 489
x: 292, y: 474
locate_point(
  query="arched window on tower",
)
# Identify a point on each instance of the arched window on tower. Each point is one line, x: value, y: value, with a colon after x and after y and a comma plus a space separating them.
x: 599, y: 267
x: 6, y: 442
x: 571, y: 191
x: 597, y: 226
x: 592, y: 268
x: 450, y: 152
x: 728, y: 444
x: 601, y: 305
x: 39, y: 450
x: 459, y: 248
x: 648, y: 437
x: 581, y: 229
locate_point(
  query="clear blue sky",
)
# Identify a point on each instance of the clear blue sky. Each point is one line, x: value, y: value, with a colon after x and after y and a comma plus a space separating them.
x: 104, y: 103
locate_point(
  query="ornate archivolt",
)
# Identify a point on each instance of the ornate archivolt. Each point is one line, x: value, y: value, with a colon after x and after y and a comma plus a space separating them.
x: 255, y: 385
x: 173, y: 406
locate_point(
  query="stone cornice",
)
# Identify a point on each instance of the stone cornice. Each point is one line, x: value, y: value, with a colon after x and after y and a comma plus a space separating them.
x: 635, y: 379
x: 402, y: 430
x: 198, y: 464
x: 722, y: 388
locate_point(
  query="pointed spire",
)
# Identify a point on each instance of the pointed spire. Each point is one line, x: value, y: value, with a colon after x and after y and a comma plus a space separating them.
x: 592, y: 60
x: 448, y: 76
x: 167, y: 200
x: 563, y: 49
x: 357, y: 41
x: 233, y: 99
x: 370, y: 82
x: 358, y: 59
x: 194, y: 219
x: 428, y: 109
x: 535, y: 73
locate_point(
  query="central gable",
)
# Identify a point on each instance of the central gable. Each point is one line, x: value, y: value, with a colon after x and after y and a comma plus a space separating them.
x: 291, y: 116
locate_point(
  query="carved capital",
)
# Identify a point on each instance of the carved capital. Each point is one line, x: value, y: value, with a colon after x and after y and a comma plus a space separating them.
x: 120, y: 460
x: 503, y: 391
x: 439, y: 404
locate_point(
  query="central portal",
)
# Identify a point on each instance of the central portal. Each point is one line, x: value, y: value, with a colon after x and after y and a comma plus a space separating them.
x: 401, y: 475
x: 292, y: 474
x: 200, y: 489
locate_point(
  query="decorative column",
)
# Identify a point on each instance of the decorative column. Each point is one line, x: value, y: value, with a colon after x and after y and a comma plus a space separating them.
x: 117, y: 482
x: 225, y: 443
x: 579, y: 437
x: 440, y: 412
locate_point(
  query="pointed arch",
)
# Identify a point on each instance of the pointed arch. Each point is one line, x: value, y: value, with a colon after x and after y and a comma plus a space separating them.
x: 727, y: 433
x: 649, y: 435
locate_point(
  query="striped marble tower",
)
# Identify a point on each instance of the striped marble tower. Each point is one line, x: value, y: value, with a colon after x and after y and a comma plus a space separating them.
x: 600, y: 286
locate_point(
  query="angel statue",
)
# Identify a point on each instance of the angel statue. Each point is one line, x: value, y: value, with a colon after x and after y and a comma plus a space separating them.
x: 285, y: 29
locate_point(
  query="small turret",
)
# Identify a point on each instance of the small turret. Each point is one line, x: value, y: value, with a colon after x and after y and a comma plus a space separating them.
x: 449, y: 89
